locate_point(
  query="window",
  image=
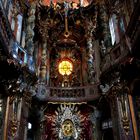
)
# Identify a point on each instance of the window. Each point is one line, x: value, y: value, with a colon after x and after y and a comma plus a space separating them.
x: 122, y: 27
x: 107, y: 124
x: 112, y: 31
x: 19, y: 27
x: 29, y: 126
x: 31, y: 63
x: 10, y: 16
x: 23, y: 39
x: 65, y: 67
x: 0, y: 105
x: 113, y: 25
x: 1, y: 115
x: 16, y: 23
x: 5, y: 3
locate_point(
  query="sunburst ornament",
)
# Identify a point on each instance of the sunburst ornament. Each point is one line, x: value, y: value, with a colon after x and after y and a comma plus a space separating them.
x: 68, y: 122
x: 65, y: 67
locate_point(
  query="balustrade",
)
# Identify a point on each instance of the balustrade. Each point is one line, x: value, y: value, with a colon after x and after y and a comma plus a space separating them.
x: 116, y: 55
x: 69, y: 94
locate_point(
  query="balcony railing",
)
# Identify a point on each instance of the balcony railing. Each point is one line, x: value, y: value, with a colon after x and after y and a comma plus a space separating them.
x: 68, y: 94
x: 116, y: 55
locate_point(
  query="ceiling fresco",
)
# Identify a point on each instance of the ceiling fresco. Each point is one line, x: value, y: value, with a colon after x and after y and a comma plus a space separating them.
x: 73, y: 3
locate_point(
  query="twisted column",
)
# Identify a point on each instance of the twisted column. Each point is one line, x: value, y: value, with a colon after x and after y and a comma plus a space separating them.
x: 43, y: 63
x: 90, y: 53
x: 104, y: 24
x: 43, y: 67
x: 30, y: 27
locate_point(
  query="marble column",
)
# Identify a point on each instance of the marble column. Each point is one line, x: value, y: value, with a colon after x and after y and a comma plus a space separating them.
x: 114, y: 112
x: 124, y: 115
x: 14, y: 116
x: 135, y: 129
x: 95, y: 124
x: 19, y: 114
x: 25, y: 131
x: 26, y: 103
x: 5, y: 131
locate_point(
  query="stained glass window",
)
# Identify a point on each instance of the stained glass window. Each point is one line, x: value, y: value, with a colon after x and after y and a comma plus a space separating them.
x: 65, y: 67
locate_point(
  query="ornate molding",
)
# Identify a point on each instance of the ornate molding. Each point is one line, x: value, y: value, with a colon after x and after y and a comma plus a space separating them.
x: 27, y: 97
x: 123, y: 101
x: 13, y: 126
